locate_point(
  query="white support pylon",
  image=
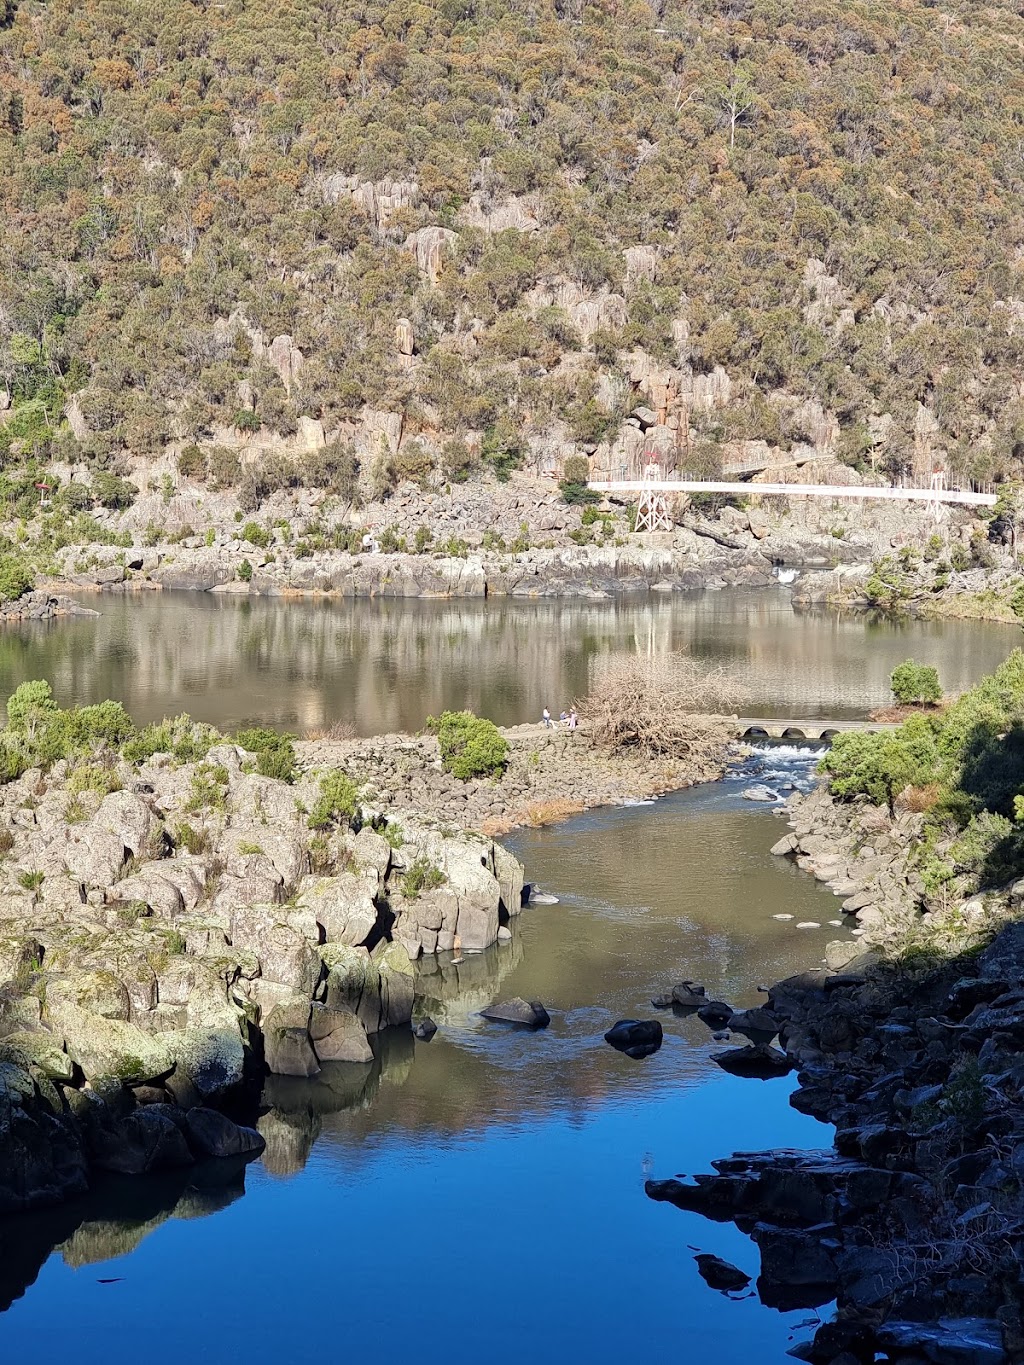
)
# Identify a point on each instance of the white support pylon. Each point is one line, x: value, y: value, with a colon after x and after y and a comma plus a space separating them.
x: 935, y: 504
x: 652, y: 507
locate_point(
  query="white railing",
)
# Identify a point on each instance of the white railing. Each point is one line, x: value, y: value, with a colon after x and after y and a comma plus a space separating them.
x: 910, y: 490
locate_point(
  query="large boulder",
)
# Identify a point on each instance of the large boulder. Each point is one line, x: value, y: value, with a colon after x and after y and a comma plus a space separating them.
x: 521, y: 1013
x: 687, y: 995
x: 18, y: 955
x: 286, y: 956
x: 149, y: 1139
x: 509, y: 872
x: 110, y: 1047
x: 211, y: 1133
x: 39, y: 1049
x: 210, y: 1062
x: 635, y: 1037
x: 253, y: 880
x: 756, y: 1024
x: 126, y: 816
x: 42, y: 1157
x: 338, y: 1035
x: 757, y: 1061
x: 287, y: 1046
x: 97, y: 992
x: 397, y: 984
x: 342, y: 906
x: 289, y: 1052
x: 379, y: 987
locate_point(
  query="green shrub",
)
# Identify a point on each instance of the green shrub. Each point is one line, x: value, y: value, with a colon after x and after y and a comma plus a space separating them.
x: 192, y: 463
x: 913, y: 682
x: 391, y: 542
x: 111, y: 491
x: 15, y: 578
x: 470, y: 746
x: 244, y: 571
x: 337, y: 803
x: 421, y: 876
x: 573, y: 483
x: 881, y: 766
x: 257, y: 535
x: 275, y: 753
x: 28, y: 703
x: 888, y: 586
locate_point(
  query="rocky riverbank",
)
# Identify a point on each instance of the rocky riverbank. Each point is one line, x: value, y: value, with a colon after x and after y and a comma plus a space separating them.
x: 183, y: 915
x: 914, y: 1223
x: 175, y: 926
x: 42, y: 606
x: 550, y: 774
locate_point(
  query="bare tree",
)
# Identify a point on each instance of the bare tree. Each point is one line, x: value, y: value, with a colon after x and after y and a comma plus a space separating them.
x: 666, y: 706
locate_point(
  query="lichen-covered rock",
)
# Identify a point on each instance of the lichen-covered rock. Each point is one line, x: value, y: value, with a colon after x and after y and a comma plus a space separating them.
x: 342, y: 906
x: 97, y: 992
x: 110, y: 1047
x: 38, y: 1049
x: 378, y: 987
x: 289, y: 1052
x: 286, y: 956
x: 397, y: 984
x: 127, y: 817
x: 212, y: 1060
x: 18, y: 954
x: 338, y: 1035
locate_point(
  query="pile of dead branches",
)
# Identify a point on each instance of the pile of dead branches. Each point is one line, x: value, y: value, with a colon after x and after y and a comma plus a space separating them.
x: 665, y: 706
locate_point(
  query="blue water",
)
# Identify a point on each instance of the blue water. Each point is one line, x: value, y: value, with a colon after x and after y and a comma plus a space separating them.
x: 482, y: 1200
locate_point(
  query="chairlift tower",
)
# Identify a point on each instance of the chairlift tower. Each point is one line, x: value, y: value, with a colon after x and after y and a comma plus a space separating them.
x: 652, y: 507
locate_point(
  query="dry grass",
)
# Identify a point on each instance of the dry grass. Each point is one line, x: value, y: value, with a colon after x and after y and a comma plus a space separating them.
x: 533, y: 815
x: 664, y: 707
x: 337, y: 730
x: 919, y: 799
x: 896, y: 715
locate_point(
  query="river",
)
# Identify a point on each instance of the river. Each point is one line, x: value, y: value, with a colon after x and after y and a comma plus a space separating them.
x: 478, y: 1197
x: 385, y: 666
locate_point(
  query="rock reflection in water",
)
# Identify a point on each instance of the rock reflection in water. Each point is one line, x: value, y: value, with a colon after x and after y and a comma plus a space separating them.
x: 386, y: 665
x: 295, y: 1106
x: 111, y: 1220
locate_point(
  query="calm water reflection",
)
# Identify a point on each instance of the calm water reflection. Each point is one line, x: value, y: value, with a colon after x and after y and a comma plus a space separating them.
x: 387, y: 665
x: 481, y: 1196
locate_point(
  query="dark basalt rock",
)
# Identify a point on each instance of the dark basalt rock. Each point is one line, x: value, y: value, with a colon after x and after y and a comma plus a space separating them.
x: 715, y: 1014
x: 211, y: 1133
x: 425, y: 1029
x: 759, y: 1024
x: 522, y: 1013
x: 687, y: 995
x: 721, y: 1275
x: 635, y: 1037
x: 758, y: 1061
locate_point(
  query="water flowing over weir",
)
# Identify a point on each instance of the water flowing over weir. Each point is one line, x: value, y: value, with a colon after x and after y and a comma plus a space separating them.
x: 492, y: 1176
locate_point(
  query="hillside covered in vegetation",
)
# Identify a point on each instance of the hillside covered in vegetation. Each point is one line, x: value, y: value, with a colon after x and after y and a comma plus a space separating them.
x: 421, y: 237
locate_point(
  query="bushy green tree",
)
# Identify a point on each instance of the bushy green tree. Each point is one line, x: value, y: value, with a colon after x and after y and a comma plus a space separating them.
x: 15, y: 578
x: 470, y: 745
x: 913, y: 682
